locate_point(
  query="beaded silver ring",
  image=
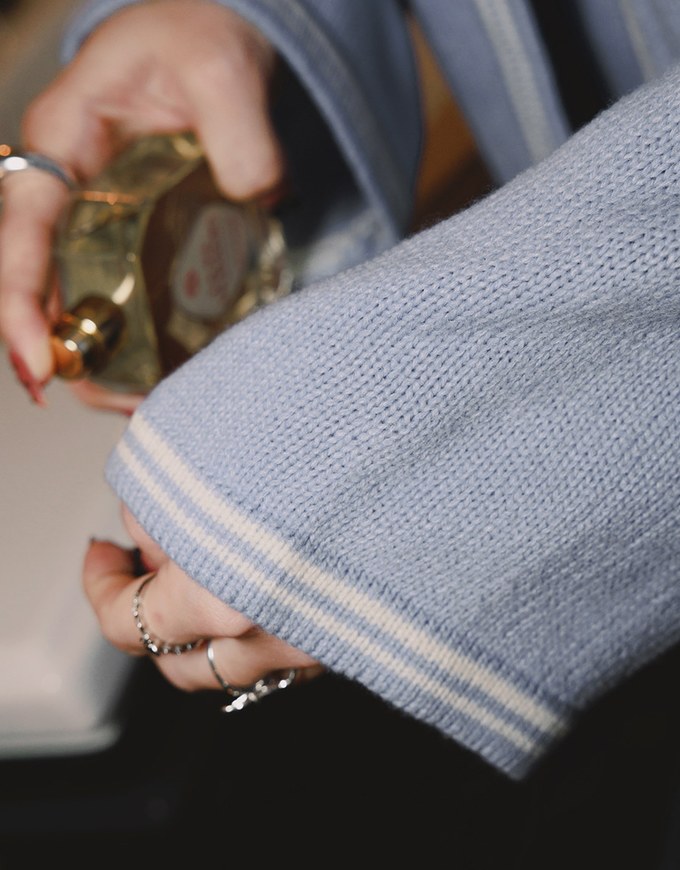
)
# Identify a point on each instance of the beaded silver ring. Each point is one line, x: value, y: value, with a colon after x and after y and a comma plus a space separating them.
x: 155, y: 645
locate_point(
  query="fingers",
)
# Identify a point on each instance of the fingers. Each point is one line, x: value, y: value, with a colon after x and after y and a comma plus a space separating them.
x: 188, y: 65
x: 241, y: 144
x: 245, y: 157
x: 106, y: 400
x: 240, y: 662
x: 175, y: 609
x: 108, y: 576
x: 31, y: 203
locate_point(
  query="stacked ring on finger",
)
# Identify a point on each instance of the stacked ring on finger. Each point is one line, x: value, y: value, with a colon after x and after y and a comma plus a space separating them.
x: 155, y: 645
x: 243, y: 695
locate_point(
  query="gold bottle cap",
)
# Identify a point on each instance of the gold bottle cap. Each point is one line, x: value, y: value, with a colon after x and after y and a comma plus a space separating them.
x: 85, y: 338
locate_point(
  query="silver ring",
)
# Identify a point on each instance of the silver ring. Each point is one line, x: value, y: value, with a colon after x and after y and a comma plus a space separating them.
x: 244, y: 695
x: 151, y: 643
x: 17, y: 161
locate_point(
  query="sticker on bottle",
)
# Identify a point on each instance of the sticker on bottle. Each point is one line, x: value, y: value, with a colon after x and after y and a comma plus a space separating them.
x: 211, y: 268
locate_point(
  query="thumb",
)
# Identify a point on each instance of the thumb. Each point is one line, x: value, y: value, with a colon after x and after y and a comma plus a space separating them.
x: 246, y: 159
x: 240, y: 142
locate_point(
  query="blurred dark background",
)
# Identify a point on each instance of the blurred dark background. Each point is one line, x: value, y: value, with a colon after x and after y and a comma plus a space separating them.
x: 325, y: 774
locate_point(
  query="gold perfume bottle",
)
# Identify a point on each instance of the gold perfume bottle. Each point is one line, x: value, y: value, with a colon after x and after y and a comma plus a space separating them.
x: 153, y: 262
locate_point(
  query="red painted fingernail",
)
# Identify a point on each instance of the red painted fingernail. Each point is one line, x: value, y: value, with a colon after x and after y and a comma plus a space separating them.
x: 33, y: 386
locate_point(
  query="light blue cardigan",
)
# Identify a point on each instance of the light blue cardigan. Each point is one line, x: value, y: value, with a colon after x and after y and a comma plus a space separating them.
x: 451, y: 471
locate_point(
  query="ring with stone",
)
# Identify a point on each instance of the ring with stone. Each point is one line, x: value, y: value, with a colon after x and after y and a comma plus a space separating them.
x: 241, y: 696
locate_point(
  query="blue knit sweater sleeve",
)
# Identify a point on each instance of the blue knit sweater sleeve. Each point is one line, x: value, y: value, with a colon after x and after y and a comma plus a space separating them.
x: 452, y: 473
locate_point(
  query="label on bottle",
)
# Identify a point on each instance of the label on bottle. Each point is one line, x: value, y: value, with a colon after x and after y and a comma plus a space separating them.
x: 211, y: 268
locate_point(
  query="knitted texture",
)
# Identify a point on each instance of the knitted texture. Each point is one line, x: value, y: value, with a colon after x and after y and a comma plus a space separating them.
x: 452, y: 473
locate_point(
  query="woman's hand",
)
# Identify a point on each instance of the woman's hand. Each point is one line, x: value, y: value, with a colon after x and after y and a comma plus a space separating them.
x: 177, y: 609
x: 165, y: 66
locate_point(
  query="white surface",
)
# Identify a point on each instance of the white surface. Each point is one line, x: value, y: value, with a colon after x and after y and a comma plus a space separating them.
x: 59, y: 679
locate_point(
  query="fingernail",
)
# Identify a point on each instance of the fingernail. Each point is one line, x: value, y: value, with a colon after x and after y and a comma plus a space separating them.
x: 31, y: 384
